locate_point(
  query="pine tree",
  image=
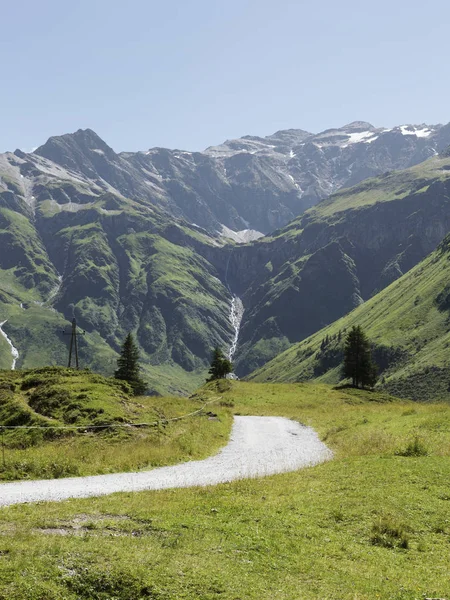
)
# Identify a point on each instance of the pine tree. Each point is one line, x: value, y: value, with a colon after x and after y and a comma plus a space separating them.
x: 358, y: 362
x: 220, y: 365
x: 128, y: 366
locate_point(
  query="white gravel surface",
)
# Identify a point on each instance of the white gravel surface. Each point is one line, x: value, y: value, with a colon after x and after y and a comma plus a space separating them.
x: 258, y: 446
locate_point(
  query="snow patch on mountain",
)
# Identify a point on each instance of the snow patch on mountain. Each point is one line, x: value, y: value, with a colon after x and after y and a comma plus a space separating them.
x: 294, y: 182
x: 410, y: 130
x: 367, y: 137
x: 241, y: 237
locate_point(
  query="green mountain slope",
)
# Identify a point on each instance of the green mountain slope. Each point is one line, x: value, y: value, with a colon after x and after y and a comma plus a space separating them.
x: 72, y: 245
x: 117, y: 267
x: 409, y: 325
x: 336, y: 255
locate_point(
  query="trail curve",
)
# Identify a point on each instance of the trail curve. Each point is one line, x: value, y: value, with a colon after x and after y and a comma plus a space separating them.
x: 258, y: 446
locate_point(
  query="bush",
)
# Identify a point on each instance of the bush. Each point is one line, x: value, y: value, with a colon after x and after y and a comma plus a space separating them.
x: 415, y: 447
x: 386, y: 532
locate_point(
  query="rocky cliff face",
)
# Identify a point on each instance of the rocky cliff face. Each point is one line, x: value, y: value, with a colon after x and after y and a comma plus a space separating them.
x: 249, y: 183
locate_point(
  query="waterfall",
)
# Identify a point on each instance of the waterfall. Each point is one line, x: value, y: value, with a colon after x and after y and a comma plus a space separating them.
x: 14, y: 351
x: 236, y: 314
x: 55, y: 291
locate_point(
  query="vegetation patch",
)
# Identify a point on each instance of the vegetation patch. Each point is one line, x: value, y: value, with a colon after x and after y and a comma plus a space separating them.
x: 408, y: 326
x: 89, y: 424
x: 388, y: 533
x: 416, y: 447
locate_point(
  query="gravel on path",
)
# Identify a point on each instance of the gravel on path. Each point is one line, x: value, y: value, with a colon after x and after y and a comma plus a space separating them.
x: 258, y: 446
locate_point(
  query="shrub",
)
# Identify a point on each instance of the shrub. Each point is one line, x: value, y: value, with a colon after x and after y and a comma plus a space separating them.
x: 386, y: 532
x: 415, y: 447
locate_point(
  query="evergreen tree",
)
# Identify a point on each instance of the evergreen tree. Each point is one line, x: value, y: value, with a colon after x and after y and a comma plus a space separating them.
x: 128, y: 366
x: 358, y: 362
x: 220, y: 365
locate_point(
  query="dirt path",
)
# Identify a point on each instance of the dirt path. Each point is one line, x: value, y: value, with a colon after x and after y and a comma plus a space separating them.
x: 258, y: 446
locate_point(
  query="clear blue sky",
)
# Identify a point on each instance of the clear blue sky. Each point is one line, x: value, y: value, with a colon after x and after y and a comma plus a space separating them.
x: 192, y: 73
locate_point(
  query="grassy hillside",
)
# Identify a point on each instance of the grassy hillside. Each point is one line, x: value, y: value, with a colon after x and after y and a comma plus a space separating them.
x: 409, y: 324
x: 60, y: 400
x: 117, y: 267
x: 371, y: 523
x: 391, y: 186
x: 336, y: 255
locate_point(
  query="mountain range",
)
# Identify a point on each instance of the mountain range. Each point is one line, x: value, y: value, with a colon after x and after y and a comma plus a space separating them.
x: 152, y: 242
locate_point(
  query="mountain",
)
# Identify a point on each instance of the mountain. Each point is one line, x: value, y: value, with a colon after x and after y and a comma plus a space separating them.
x: 116, y: 266
x: 116, y: 241
x: 409, y: 326
x: 250, y: 183
x: 337, y: 256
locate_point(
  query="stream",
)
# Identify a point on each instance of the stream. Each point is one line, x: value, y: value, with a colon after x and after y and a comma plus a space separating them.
x: 14, y: 351
x: 51, y: 296
x: 55, y: 291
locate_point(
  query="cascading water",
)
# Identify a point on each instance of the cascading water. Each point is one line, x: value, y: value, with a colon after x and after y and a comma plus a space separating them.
x: 55, y: 291
x: 236, y: 314
x: 52, y: 295
x: 14, y: 351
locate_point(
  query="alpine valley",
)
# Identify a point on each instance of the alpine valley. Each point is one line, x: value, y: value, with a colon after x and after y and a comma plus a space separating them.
x: 253, y: 245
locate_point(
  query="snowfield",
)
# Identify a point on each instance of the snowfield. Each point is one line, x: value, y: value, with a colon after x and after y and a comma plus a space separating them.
x: 258, y: 446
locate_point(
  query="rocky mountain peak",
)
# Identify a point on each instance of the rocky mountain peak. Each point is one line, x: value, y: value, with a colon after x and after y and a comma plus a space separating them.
x: 251, y: 183
x: 66, y: 149
x: 358, y: 126
x: 85, y: 152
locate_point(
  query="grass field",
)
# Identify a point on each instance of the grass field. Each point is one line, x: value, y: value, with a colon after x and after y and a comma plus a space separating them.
x: 372, y: 523
x: 58, y: 397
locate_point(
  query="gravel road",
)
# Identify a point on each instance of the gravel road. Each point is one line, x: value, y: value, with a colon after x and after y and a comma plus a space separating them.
x: 258, y: 446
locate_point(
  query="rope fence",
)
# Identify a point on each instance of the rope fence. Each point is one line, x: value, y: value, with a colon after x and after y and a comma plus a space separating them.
x: 105, y: 426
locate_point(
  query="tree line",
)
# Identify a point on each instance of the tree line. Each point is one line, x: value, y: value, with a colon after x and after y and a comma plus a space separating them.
x: 358, y: 363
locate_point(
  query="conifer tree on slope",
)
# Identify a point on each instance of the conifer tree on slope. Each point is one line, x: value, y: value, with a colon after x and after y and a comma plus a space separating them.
x: 358, y: 364
x: 220, y: 365
x: 128, y: 366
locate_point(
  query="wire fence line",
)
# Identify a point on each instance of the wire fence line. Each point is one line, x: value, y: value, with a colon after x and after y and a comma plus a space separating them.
x: 87, y: 428
x: 110, y: 425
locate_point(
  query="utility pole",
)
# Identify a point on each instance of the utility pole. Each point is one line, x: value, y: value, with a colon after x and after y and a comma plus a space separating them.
x: 73, y: 343
x: 3, y: 448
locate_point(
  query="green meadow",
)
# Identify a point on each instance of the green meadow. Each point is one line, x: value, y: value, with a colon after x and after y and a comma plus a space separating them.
x: 374, y: 522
